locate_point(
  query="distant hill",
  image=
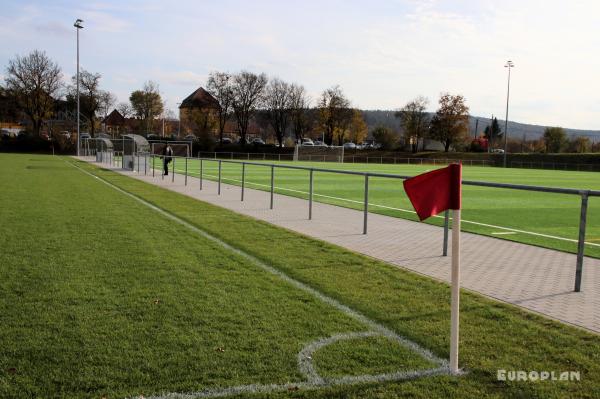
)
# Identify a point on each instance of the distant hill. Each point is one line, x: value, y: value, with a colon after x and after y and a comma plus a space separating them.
x: 516, y: 130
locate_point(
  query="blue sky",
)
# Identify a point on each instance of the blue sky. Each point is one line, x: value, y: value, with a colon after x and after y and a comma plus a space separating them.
x: 382, y: 53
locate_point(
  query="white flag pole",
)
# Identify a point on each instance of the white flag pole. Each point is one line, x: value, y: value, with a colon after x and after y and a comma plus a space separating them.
x: 455, y: 301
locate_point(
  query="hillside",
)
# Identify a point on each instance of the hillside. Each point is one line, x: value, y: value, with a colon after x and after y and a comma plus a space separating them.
x: 386, y: 118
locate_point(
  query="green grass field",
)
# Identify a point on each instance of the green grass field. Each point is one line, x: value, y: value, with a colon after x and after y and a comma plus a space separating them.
x: 106, y: 296
x: 548, y: 220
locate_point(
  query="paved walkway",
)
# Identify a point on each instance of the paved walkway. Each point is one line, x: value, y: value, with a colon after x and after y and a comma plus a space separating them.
x: 540, y: 280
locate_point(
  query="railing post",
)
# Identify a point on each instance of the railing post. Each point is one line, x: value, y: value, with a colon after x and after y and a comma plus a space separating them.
x: 581, y: 242
x: 219, y: 185
x: 446, y: 223
x: 366, y: 204
x: 185, y: 181
x: 153, y: 166
x: 272, y: 184
x: 200, y: 173
x: 173, y: 171
x: 310, y: 195
x: 243, y: 178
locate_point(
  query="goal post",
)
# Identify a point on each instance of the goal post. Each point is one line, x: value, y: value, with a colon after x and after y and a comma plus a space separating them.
x: 319, y: 153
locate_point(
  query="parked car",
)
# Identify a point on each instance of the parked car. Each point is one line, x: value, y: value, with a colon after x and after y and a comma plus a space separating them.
x: 5, y: 134
x: 307, y: 143
x: 497, y: 151
x: 350, y: 146
x: 319, y: 143
x: 190, y: 137
x: 226, y: 140
x: 85, y: 136
x: 258, y: 141
x: 152, y: 136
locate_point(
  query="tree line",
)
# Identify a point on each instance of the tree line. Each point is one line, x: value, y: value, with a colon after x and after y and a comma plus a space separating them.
x: 35, y: 83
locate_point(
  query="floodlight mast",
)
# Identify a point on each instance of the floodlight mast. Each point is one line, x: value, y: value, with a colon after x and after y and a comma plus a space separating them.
x: 509, y: 64
x: 78, y: 25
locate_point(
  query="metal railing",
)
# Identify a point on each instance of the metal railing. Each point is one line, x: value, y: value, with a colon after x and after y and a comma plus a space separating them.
x: 249, y: 156
x: 582, y: 193
x: 582, y: 167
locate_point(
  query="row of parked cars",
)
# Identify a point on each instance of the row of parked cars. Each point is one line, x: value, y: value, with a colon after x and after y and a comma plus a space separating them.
x: 306, y: 142
x: 350, y: 145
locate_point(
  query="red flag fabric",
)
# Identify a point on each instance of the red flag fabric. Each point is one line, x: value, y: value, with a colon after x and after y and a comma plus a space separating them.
x: 436, y: 191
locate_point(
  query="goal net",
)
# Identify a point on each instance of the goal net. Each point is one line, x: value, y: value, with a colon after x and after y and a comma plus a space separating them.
x: 319, y: 153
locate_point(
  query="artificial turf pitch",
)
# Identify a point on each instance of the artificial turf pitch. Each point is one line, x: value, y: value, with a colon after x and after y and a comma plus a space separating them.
x: 537, y: 218
x: 105, y: 297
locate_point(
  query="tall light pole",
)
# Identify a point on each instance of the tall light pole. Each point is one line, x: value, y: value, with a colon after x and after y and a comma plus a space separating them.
x: 78, y: 26
x: 509, y: 64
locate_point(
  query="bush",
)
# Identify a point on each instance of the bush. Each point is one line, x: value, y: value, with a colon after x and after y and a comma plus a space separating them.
x: 386, y: 137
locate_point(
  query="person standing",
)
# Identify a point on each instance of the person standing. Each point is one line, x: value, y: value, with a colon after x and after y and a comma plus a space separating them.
x: 167, y: 157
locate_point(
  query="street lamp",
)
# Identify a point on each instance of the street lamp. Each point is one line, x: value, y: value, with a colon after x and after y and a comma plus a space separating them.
x: 509, y: 64
x: 78, y: 26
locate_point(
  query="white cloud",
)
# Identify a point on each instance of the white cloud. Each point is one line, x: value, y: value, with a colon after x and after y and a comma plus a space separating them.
x: 182, y: 78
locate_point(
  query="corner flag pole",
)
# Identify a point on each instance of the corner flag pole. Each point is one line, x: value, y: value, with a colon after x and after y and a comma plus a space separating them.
x: 455, y: 298
x: 431, y: 193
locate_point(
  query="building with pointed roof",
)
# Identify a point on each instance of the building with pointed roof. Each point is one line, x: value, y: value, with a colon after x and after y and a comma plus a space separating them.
x: 198, y: 113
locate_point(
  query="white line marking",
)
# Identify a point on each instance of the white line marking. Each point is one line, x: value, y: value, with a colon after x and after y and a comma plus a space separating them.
x: 499, y: 233
x: 316, y: 382
x: 493, y: 226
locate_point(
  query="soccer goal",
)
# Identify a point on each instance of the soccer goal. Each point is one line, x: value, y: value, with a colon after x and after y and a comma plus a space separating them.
x: 319, y: 153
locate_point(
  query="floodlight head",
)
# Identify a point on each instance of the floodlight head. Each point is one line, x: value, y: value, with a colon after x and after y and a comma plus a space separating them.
x: 78, y: 23
x: 509, y: 64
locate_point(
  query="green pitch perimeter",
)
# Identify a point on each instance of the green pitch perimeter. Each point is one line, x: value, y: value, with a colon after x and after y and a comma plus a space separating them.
x: 105, y: 296
x: 548, y: 220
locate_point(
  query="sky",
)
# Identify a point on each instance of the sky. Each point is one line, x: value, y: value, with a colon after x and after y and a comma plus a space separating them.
x: 381, y: 53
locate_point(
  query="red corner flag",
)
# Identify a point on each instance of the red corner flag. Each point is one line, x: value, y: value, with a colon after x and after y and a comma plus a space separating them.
x: 434, y: 192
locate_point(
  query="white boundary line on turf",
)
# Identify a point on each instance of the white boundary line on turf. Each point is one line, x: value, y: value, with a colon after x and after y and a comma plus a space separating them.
x: 313, y: 382
x: 493, y: 226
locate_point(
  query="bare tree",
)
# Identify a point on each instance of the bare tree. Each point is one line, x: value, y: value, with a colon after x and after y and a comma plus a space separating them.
x: 107, y: 100
x: 125, y: 109
x: 299, y: 109
x: 89, y: 95
x: 248, y: 92
x: 219, y: 85
x: 451, y: 120
x: 34, y: 81
x: 335, y: 114
x: 414, y: 121
x: 278, y: 104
